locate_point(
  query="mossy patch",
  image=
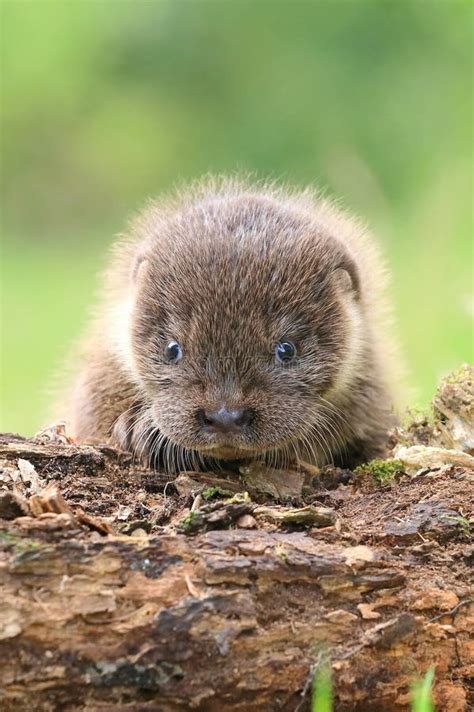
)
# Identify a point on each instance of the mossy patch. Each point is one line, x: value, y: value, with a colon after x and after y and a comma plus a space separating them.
x: 192, y: 521
x: 416, y: 417
x: 239, y: 498
x: 215, y: 492
x: 382, y: 471
x: 462, y: 375
x: 281, y: 552
x: 464, y: 524
x: 21, y: 545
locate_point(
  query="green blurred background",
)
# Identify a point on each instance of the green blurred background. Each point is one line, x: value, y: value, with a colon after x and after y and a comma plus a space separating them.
x: 108, y: 102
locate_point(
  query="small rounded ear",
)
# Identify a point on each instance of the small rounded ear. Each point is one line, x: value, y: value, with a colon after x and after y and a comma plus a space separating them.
x: 139, y: 265
x: 347, y: 278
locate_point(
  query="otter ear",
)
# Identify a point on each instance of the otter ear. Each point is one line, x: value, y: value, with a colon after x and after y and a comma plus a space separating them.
x: 139, y: 266
x: 347, y: 279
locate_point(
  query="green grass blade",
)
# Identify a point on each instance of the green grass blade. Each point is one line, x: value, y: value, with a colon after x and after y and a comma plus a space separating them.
x: 421, y: 694
x: 322, y: 689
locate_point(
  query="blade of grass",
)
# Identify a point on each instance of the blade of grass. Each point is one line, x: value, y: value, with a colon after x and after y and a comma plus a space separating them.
x: 322, y: 689
x: 421, y: 693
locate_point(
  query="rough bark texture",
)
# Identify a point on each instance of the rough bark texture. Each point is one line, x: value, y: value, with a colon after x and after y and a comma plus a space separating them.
x: 113, y: 596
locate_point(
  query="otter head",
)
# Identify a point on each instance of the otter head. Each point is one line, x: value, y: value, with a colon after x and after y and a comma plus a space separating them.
x: 243, y: 325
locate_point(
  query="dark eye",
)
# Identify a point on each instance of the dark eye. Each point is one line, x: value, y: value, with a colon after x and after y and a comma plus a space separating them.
x: 173, y: 352
x: 285, y: 351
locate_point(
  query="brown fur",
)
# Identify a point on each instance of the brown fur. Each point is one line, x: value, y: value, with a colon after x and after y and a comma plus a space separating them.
x: 228, y: 269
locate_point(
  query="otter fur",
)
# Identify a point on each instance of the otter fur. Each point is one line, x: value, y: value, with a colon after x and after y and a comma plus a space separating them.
x: 240, y: 321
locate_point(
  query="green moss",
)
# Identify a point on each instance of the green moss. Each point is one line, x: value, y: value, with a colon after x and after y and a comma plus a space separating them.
x: 461, y: 375
x: 214, y: 492
x: 14, y: 541
x: 462, y: 522
x: 191, y: 521
x: 416, y: 416
x: 383, y: 471
x: 281, y: 552
x: 8, y: 539
x: 239, y: 498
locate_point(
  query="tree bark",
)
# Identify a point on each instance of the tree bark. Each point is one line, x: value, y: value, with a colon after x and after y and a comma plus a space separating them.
x: 114, y: 597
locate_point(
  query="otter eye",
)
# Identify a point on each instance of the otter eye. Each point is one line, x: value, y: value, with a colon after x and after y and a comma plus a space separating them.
x: 285, y: 351
x: 173, y: 352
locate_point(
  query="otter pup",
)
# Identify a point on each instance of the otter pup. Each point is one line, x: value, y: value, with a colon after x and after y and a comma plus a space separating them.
x: 239, y: 322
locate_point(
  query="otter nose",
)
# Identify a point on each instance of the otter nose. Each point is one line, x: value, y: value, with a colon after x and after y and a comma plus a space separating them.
x: 223, y: 420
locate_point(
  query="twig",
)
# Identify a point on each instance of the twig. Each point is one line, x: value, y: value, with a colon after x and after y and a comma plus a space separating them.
x: 453, y: 610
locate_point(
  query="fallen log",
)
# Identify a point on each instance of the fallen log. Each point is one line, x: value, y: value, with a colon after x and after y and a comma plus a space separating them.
x: 124, y: 589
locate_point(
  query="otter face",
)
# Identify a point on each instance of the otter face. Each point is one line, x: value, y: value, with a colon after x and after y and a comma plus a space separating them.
x: 242, y: 326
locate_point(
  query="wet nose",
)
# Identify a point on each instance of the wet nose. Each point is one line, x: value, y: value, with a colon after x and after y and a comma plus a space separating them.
x: 224, y: 420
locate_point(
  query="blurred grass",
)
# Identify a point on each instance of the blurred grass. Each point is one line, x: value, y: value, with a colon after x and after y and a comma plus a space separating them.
x: 422, y: 693
x: 46, y: 292
x: 322, y: 695
x: 106, y: 103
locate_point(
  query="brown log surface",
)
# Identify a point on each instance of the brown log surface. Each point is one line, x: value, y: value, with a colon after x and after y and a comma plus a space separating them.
x: 109, y: 602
